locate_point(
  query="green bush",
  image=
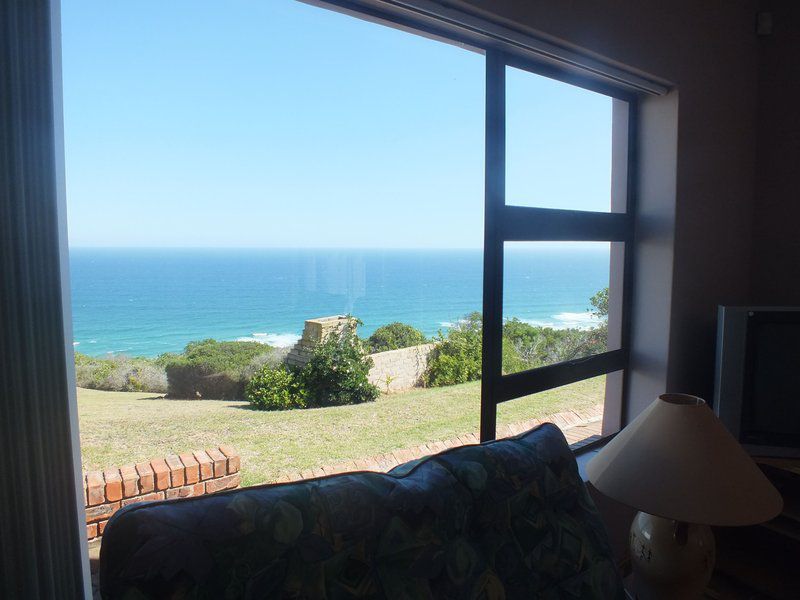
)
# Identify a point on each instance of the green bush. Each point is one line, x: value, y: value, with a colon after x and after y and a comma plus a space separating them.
x: 337, y: 372
x: 212, y: 369
x: 120, y: 374
x: 536, y: 346
x: 456, y: 358
x: 275, y: 388
x: 394, y: 336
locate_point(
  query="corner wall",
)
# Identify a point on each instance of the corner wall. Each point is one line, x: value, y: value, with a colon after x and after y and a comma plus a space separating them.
x: 776, y: 240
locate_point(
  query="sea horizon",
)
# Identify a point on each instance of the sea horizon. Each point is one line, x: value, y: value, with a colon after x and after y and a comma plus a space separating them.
x: 144, y: 301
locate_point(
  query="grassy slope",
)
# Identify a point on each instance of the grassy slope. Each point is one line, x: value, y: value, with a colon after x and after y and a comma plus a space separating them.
x: 123, y: 427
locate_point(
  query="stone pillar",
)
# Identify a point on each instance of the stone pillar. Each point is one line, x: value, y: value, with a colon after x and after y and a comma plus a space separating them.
x: 314, y: 332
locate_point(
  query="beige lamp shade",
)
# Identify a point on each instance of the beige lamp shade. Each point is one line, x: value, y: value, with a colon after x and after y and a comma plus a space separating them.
x: 676, y: 460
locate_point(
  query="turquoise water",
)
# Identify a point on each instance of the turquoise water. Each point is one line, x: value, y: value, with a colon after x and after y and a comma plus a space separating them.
x: 148, y: 301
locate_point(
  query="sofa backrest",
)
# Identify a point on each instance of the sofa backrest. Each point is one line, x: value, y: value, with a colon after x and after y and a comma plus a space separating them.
x: 506, y: 519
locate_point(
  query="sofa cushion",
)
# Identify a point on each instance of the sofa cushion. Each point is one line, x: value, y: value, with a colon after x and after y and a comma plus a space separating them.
x: 505, y: 519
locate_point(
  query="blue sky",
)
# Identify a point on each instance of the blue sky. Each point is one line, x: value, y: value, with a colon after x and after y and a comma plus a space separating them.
x: 279, y: 124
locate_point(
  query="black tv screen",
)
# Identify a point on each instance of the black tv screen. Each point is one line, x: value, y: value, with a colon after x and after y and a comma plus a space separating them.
x: 757, y: 383
x: 771, y: 394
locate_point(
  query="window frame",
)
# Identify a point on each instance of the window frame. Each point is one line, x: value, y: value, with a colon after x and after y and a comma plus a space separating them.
x: 509, y: 223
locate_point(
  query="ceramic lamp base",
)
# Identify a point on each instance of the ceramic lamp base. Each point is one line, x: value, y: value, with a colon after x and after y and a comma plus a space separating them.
x: 670, y: 559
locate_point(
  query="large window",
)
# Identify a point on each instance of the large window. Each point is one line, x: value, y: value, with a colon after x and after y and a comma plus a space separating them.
x: 468, y: 205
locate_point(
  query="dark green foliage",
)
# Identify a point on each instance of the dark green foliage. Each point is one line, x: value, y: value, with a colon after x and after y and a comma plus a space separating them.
x: 394, y: 336
x: 457, y: 355
x: 212, y: 369
x: 337, y: 372
x: 456, y: 358
x: 536, y: 346
x: 600, y: 303
x: 119, y: 373
x: 275, y: 388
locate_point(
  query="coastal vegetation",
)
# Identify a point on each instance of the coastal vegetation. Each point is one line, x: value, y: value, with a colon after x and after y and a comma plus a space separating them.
x: 456, y: 358
x: 395, y: 336
x: 275, y: 388
x: 120, y: 373
x: 336, y: 374
x: 212, y: 369
x: 338, y: 369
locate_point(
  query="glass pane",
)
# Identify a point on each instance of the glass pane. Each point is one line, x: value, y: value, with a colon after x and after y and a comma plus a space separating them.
x: 555, y: 302
x: 577, y: 408
x: 559, y: 145
x: 232, y: 180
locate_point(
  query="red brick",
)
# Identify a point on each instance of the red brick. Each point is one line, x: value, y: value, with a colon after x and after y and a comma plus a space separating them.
x: 234, y: 460
x: 91, y: 531
x: 101, y: 512
x: 95, y: 488
x: 220, y: 461
x: 113, y: 485
x: 130, y: 481
x: 191, y: 468
x: 187, y: 491
x: 146, y: 498
x: 206, y: 464
x: 223, y: 483
x: 176, y: 470
x: 146, y: 480
x: 160, y: 473
x: 101, y: 527
x: 403, y: 455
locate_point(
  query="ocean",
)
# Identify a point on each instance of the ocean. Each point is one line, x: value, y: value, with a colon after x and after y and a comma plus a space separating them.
x: 142, y: 302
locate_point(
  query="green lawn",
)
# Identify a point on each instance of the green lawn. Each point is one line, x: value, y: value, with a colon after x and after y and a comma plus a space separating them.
x: 124, y: 427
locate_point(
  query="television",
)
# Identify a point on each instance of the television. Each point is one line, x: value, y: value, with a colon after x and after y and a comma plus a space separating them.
x: 757, y: 383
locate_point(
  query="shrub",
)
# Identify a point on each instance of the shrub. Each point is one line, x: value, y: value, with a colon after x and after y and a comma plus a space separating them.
x: 275, y: 388
x: 394, y: 336
x: 337, y: 372
x: 273, y: 358
x: 212, y: 369
x: 536, y: 346
x: 456, y: 358
x: 120, y: 374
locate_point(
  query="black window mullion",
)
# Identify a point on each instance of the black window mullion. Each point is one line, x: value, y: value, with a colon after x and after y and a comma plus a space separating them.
x: 529, y: 224
x: 492, y: 349
x: 544, y: 378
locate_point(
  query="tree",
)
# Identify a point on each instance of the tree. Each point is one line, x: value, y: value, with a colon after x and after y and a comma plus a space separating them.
x: 600, y: 303
x: 395, y: 335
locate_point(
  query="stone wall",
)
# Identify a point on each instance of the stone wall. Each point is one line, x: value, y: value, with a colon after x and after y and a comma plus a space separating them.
x: 174, y: 476
x: 397, y: 370
x: 315, y: 331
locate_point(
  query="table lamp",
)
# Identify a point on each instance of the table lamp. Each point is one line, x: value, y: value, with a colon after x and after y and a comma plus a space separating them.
x: 678, y: 465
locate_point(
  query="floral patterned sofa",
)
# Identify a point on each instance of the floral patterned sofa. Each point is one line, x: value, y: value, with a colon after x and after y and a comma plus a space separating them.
x: 505, y: 519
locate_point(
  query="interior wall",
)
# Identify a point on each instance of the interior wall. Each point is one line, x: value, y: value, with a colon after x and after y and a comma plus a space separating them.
x: 776, y: 215
x: 708, y: 50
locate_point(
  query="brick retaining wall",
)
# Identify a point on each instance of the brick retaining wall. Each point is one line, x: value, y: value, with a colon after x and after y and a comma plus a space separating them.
x: 174, y: 476
x: 402, y: 369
